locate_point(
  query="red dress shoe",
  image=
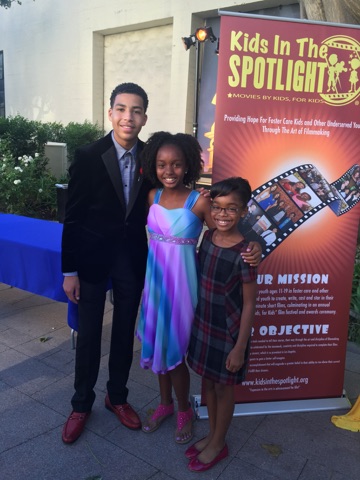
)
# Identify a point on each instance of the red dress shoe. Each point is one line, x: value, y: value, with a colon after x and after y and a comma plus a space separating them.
x: 192, y: 451
x: 74, y: 426
x: 125, y: 413
x: 195, y: 465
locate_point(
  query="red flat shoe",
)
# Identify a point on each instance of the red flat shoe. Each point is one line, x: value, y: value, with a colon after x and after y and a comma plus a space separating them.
x: 74, y: 426
x: 192, y: 451
x: 125, y: 413
x: 195, y: 465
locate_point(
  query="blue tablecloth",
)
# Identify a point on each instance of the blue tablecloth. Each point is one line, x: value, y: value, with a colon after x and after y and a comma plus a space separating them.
x: 30, y: 258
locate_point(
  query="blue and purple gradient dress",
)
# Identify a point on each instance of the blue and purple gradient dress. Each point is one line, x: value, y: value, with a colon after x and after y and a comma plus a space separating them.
x: 170, y: 291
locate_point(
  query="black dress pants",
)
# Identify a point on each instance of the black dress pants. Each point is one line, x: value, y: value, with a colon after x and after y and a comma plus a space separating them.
x: 127, y: 288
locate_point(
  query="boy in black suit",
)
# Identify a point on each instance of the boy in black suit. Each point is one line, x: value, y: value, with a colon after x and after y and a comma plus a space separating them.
x: 104, y: 237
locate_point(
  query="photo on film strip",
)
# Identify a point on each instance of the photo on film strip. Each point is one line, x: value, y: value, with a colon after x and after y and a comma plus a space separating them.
x: 348, y: 189
x: 284, y: 203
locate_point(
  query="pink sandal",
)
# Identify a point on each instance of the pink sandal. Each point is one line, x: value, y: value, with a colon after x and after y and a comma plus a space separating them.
x: 183, y: 419
x: 154, y: 421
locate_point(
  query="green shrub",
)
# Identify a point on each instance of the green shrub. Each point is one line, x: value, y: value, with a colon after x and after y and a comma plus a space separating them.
x: 22, y: 136
x: 27, y: 187
x: 77, y: 134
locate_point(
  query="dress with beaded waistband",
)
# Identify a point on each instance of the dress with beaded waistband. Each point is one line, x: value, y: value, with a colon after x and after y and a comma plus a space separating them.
x: 170, y: 290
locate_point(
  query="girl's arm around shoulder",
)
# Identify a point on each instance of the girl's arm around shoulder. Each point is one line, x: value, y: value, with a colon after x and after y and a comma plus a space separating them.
x: 202, y: 210
x: 253, y: 254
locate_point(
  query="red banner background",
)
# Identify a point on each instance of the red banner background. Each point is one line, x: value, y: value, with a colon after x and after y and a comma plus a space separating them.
x: 278, y: 83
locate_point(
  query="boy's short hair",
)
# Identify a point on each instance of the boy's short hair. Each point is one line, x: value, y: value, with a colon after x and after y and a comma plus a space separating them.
x: 129, y: 88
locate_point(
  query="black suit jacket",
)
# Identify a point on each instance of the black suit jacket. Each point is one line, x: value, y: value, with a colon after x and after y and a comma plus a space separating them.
x: 98, y: 225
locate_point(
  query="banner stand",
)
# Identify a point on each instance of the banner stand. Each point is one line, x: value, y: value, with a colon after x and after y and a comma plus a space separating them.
x: 288, y: 406
x: 287, y: 119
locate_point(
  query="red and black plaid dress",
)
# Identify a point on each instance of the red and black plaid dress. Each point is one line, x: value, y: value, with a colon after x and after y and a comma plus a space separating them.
x: 217, y: 318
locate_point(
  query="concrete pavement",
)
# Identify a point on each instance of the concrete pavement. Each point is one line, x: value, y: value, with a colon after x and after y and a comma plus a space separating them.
x: 36, y: 384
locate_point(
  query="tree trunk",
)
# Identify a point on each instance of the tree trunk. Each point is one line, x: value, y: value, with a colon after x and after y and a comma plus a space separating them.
x: 353, y: 8
x: 344, y: 11
x: 314, y: 10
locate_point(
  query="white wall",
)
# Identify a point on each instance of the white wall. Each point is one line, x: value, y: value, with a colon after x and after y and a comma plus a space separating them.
x: 153, y: 73
x: 63, y: 58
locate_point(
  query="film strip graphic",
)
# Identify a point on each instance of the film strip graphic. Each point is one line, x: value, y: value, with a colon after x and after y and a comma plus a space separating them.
x: 278, y: 207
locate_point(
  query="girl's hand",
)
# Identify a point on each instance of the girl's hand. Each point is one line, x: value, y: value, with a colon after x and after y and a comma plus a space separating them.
x: 203, y: 191
x: 235, y: 360
x: 253, y: 254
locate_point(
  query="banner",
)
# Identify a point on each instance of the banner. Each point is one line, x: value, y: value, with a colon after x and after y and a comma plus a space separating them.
x: 288, y: 119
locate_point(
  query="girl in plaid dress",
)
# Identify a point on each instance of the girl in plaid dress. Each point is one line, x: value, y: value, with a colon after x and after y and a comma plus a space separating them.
x: 219, y: 344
